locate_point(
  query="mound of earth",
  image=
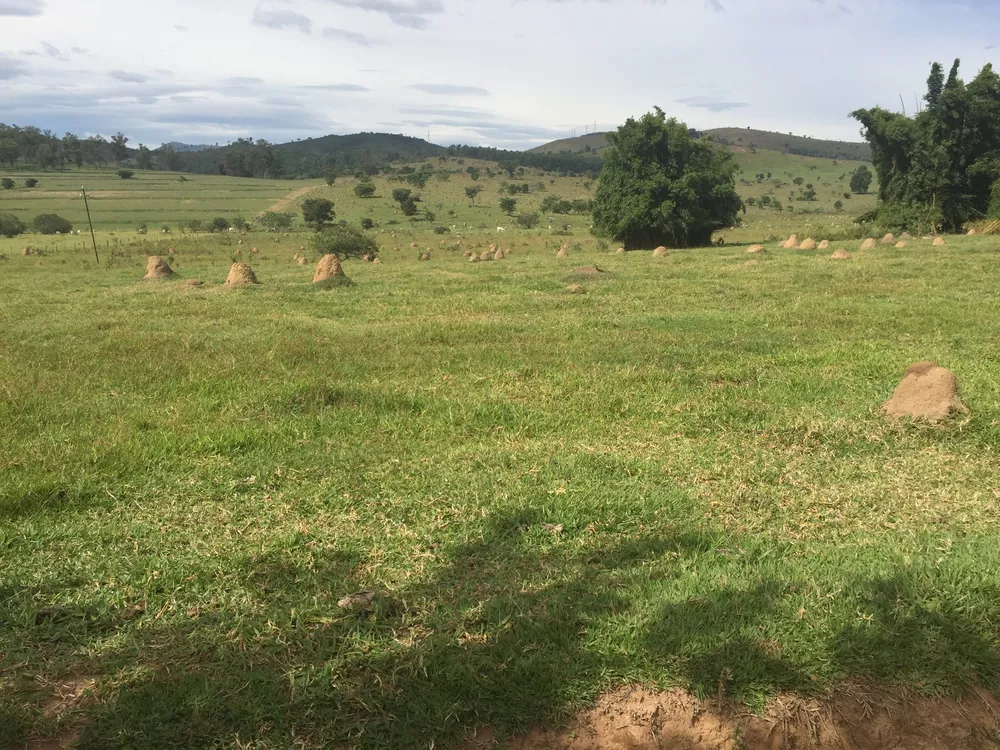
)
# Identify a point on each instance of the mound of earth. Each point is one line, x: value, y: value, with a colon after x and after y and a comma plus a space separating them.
x: 808, y: 244
x: 328, y: 267
x: 485, y: 255
x: 754, y: 249
x: 194, y: 282
x: 660, y: 252
x: 576, y: 289
x: 851, y: 718
x: 927, y: 392
x: 939, y: 242
x: 791, y: 243
x: 620, y: 251
x: 157, y: 268
x: 562, y: 254
x: 589, y: 271
x: 241, y: 275
x: 889, y: 239
x: 840, y: 254
x: 473, y: 258
x: 868, y: 244
x: 901, y: 244
x: 824, y: 245
x: 498, y: 255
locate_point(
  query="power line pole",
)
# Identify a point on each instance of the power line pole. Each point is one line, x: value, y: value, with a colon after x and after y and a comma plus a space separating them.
x: 93, y: 238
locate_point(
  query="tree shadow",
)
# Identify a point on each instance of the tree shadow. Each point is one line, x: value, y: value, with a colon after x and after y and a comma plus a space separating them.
x: 497, y: 632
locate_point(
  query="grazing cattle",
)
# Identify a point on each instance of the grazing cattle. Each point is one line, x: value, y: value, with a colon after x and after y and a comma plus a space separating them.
x: 501, y: 229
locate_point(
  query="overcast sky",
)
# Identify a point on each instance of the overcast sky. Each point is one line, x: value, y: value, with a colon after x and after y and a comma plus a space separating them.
x: 509, y: 73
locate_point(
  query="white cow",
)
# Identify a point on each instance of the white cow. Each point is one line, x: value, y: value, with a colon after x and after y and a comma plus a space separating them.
x: 500, y: 229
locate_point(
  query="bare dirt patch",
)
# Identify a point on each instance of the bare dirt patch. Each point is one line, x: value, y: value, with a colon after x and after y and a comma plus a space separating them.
x: 289, y: 200
x: 851, y: 718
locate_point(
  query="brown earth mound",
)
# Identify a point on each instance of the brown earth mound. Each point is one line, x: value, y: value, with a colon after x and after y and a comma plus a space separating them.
x: 328, y: 267
x: 868, y: 244
x: 927, y: 391
x: 562, y: 254
x: 852, y: 718
x: 824, y: 245
x: 840, y: 254
x: 576, y: 289
x: 473, y: 258
x: 424, y: 256
x: 498, y: 255
x: 467, y: 253
x: 972, y: 232
x: 485, y: 255
x: 889, y: 239
x: 754, y: 249
x: 241, y: 275
x: 939, y: 242
x: 588, y: 271
x: 194, y: 282
x: 620, y: 251
x: 791, y: 243
x: 808, y: 244
x: 303, y: 262
x: 157, y: 268
x: 377, y: 261
x: 660, y: 252
x: 901, y: 244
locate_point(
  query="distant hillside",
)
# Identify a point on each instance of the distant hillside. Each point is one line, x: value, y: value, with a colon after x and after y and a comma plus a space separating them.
x: 737, y: 139
x: 187, y: 148
x: 791, y: 144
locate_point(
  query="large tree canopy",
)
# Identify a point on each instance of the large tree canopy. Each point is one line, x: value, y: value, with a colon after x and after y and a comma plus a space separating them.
x: 661, y: 186
x: 938, y: 168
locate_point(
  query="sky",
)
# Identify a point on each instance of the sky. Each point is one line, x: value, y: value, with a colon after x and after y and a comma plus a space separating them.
x: 505, y: 73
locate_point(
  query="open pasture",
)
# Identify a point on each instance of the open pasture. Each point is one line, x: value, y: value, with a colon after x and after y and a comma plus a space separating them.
x: 679, y: 477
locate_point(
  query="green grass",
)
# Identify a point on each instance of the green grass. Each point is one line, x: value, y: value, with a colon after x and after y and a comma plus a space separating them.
x: 735, y: 509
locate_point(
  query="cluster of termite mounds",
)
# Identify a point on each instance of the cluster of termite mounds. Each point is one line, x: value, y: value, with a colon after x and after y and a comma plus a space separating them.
x: 793, y: 243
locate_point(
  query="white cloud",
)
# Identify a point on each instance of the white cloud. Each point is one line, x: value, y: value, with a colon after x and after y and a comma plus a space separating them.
x: 510, y: 72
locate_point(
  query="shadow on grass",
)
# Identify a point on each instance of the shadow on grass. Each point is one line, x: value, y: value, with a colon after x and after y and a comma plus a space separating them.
x: 500, y: 632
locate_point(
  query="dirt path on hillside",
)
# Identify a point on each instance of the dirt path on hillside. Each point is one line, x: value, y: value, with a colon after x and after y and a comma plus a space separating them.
x: 854, y: 717
x: 285, y: 203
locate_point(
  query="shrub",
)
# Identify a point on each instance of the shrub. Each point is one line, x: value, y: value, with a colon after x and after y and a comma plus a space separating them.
x: 367, y: 224
x: 30, y: 182
x: 125, y: 174
x: 240, y: 224
x: 344, y: 241
x: 219, y: 224
x: 441, y: 230
x: 401, y: 194
x: 193, y: 225
x: 6, y: 183
x: 51, y: 224
x: 839, y: 205
x: 10, y: 225
x: 364, y: 189
x: 143, y: 228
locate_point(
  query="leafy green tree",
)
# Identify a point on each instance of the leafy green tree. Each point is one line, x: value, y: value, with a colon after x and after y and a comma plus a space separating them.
x: 472, y: 193
x: 660, y: 186
x: 10, y: 225
x: 401, y: 194
x: 7, y: 184
x: 367, y: 223
x: 240, y: 224
x: 345, y: 242
x: 861, y: 180
x: 8, y: 151
x: 31, y: 182
x: 170, y: 159
x: 527, y: 221
x: 274, y: 221
x: 51, y: 224
x: 331, y: 179
x: 317, y: 212
x: 125, y: 174
x: 119, y: 149
x: 45, y: 155
x: 72, y: 149
x: 364, y: 189
x: 839, y: 205
x: 937, y: 169
x: 220, y: 224
x: 408, y: 206
x: 508, y: 205
x: 473, y: 173
x: 143, y: 157
x: 798, y: 180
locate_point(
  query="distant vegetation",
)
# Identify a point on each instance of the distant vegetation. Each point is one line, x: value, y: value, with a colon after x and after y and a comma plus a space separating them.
x: 940, y: 168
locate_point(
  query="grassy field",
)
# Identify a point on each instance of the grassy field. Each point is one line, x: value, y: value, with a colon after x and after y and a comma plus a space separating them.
x: 160, y: 199
x: 680, y: 477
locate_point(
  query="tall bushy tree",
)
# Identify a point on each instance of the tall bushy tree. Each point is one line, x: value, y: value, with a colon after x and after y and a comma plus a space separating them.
x: 661, y: 186
x: 938, y: 168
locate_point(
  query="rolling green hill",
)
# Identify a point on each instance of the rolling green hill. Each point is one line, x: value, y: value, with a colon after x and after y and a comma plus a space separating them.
x: 738, y: 139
